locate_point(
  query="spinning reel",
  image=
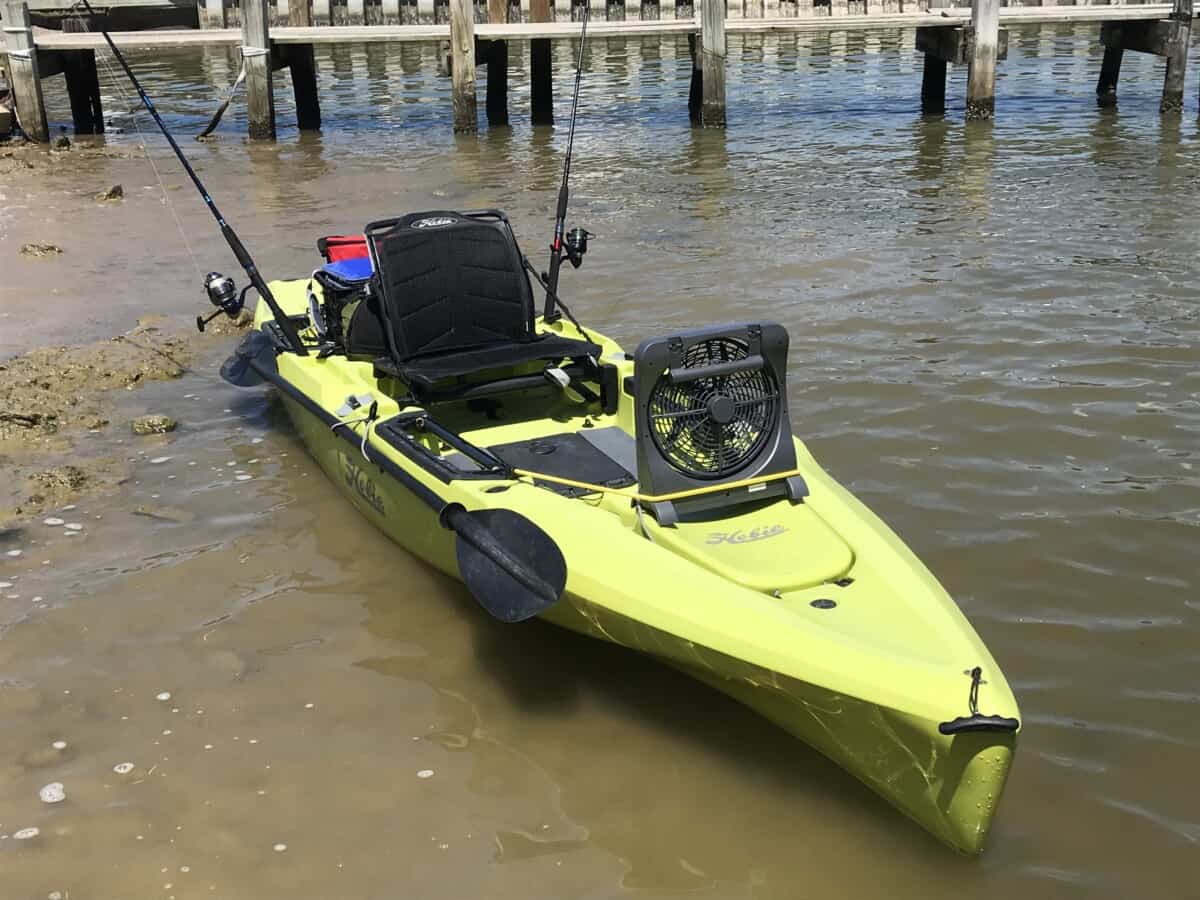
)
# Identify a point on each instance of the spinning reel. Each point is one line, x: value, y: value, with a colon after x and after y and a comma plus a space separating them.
x: 223, y: 294
x: 576, y: 245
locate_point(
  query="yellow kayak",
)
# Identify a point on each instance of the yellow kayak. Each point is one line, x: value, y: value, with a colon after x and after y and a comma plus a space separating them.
x: 659, y: 498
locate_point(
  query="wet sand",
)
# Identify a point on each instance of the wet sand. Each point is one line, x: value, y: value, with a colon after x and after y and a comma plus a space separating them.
x: 994, y: 345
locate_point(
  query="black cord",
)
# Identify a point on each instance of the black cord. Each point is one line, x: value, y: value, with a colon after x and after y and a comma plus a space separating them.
x: 973, y: 700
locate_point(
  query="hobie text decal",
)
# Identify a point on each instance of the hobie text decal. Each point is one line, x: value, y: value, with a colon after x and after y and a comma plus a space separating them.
x: 744, y: 537
x: 362, y: 485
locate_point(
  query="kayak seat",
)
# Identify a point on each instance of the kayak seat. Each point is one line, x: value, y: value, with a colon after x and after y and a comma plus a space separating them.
x: 455, y: 299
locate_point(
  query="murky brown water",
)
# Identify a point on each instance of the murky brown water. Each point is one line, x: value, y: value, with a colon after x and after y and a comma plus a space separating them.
x: 994, y: 344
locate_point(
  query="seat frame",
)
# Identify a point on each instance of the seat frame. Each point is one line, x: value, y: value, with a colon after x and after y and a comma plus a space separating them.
x: 440, y: 374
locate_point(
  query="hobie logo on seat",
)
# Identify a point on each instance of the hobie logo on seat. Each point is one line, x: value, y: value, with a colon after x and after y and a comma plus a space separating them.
x: 357, y: 479
x: 435, y: 222
x: 744, y: 537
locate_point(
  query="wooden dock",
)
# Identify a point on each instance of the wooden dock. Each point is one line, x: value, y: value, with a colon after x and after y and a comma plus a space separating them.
x: 477, y: 32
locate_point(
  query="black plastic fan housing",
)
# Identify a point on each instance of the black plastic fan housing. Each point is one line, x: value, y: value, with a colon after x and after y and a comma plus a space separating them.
x: 712, y: 409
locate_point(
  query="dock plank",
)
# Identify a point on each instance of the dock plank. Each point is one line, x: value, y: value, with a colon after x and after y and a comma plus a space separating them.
x: 524, y: 31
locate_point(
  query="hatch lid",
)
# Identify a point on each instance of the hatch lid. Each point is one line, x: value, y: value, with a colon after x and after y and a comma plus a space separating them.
x: 778, y: 546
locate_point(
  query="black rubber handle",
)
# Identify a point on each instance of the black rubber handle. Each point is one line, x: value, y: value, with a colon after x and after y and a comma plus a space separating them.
x: 716, y: 370
x: 977, y: 722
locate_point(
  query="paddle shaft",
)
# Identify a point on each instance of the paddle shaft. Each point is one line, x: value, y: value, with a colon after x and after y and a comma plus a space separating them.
x: 560, y: 220
x: 458, y: 520
x: 235, y: 243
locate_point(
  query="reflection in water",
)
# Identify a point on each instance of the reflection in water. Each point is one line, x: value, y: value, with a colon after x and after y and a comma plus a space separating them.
x: 979, y: 148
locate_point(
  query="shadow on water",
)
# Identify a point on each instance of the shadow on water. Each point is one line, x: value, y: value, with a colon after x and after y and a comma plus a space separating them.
x: 564, y: 699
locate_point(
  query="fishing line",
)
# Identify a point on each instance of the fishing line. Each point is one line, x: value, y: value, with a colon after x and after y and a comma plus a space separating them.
x: 216, y: 119
x: 112, y: 77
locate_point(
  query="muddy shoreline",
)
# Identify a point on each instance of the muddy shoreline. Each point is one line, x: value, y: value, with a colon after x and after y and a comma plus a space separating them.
x: 67, y: 414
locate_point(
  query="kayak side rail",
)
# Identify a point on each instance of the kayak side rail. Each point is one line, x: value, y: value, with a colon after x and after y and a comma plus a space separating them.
x: 397, y: 432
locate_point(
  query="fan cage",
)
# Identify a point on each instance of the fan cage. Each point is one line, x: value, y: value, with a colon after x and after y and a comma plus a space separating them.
x: 683, y: 428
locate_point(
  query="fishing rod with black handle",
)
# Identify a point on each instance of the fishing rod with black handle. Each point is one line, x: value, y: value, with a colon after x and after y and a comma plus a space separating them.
x: 235, y: 243
x: 576, y: 244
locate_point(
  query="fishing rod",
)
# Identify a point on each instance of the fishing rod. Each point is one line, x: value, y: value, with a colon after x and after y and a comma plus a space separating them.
x: 220, y: 289
x: 575, y: 244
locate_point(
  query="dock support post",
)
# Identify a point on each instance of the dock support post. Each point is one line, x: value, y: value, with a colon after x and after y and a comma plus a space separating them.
x: 303, y: 65
x: 83, y: 82
x: 300, y: 15
x: 1176, y: 53
x: 23, y: 75
x: 953, y: 44
x: 1110, y: 72
x: 83, y: 89
x: 541, y: 77
x: 981, y: 71
x: 933, y: 86
x: 696, y: 88
x: 256, y: 55
x: 462, y: 65
x: 497, y: 68
x: 712, y: 62
x: 497, y: 83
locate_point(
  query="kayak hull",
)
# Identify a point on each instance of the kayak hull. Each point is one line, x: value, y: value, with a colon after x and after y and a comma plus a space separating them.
x: 948, y: 785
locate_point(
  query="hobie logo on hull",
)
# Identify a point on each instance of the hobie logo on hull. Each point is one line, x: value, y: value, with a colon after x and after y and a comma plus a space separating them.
x: 357, y: 479
x: 744, y: 537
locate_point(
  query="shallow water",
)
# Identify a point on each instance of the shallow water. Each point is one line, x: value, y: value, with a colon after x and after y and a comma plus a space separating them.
x: 994, y: 345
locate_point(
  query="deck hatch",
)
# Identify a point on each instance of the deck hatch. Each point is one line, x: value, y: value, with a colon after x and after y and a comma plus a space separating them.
x: 565, y: 456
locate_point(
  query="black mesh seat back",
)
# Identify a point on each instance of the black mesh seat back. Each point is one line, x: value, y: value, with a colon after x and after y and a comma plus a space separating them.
x: 450, y: 282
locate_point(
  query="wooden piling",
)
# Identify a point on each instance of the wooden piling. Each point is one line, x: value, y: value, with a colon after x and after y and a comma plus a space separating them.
x: 24, y: 76
x: 303, y: 65
x: 496, y: 104
x: 1168, y: 38
x: 696, y: 88
x: 541, y: 76
x: 83, y: 81
x: 211, y: 13
x: 981, y: 71
x: 497, y: 83
x: 933, y: 86
x: 1176, y: 53
x: 1110, y: 72
x: 83, y: 89
x: 300, y: 14
x: 462, y: 65
x: 256, y: 56
x: 712, y: 62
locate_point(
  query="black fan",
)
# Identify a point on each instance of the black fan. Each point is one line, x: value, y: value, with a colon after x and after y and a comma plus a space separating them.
x: 711, y: 409
x: 712, y: 425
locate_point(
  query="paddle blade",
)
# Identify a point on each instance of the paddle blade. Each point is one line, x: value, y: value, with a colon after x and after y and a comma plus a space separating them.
x: 512, y: 567
x: 255, y: 347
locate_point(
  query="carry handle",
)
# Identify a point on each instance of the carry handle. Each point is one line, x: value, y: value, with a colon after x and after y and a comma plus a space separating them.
x: 977, y: 722
x: 717, y: 370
